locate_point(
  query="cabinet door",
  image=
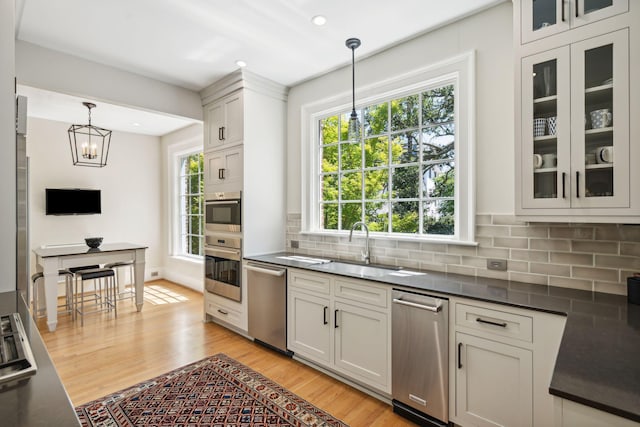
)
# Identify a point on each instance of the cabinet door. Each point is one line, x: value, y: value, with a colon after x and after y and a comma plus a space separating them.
x: 600, y: 117
x: 494, y: 383
x: 233, y: 131
x: 587, y: 11
x: 214, y: 122
x: 546, y: 136
x: 362, y: 344
x: 223, y: 170
x: 542, y: 18
x: 309, y: 326
x: 224, y: 121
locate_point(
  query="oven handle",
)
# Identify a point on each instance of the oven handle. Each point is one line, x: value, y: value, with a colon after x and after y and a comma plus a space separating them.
x: 222, y: 202
x: 277, y: 273
x: 208, y: 250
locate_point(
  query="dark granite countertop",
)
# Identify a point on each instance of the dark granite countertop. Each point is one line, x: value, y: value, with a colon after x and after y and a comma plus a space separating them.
x: 598, y: 363
x: 38, y: 400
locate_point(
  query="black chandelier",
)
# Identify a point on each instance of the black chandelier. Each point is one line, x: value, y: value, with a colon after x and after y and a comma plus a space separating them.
x: 354, y: 123
x: 89, y: 144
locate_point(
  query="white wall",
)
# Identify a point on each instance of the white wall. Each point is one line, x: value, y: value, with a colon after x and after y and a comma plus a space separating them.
x: 488, y: 33
x: 130, y: 186
x: 59, y: 72
x: 7, y: 149
x: 186, y: 271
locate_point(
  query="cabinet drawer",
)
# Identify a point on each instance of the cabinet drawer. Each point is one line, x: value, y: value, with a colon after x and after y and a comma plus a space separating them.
x: 495, y: 322
x: 219, y: 311
x: 362, y: 292
x: 316, y: 283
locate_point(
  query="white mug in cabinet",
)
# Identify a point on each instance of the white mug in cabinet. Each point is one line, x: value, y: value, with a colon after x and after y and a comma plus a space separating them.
x: 604, y: 154
x: 537, y: 161
x: 549, y: 160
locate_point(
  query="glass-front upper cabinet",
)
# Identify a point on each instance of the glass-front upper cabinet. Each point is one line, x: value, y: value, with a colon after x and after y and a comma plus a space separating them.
x: 575, y: 125
x: 542, y: 18
x: 546, y: 116
x: 600, y: 110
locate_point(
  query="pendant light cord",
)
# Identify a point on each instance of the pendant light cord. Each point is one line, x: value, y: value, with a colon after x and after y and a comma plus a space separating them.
x: 353, y: 80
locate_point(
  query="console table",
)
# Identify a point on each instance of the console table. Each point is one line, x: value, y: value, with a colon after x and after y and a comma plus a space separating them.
x: 50, y: 259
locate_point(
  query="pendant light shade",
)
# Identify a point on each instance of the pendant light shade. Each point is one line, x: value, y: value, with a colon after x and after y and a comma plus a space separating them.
x: 354, y: 122
x: 89, y: 144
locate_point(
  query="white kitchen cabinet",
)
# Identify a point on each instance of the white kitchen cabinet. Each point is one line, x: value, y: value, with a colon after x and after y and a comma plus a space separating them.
x: 362, y: 343
x: 544, y: 18
x: 493, y: 383
x: 230, y: 312
x: 309, y: 332
x: 574, y: 101
x: 329, y: 325
x: 572, y: 414
x: 501, y: 365
x: 245, y: 140
x: 223, y: 170
x: 224, y: 122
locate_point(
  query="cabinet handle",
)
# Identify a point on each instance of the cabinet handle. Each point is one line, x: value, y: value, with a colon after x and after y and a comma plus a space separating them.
x: 324, y: 315
x: 459, y: 355
x: 562, y: 7
x: 222, y: 129
x: 564, y: 176
x: 222, y: 312
x: 577, y: 7
x: 489, y: 322
x: 335, y: 318
x: 578, y: 184
x: 221, y: 173
x: 219, y: 134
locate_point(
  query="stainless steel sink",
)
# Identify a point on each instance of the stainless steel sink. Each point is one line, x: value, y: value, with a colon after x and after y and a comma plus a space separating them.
x: 361, y: 270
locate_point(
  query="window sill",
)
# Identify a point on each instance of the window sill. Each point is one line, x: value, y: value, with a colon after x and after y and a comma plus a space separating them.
x: 393, y: 237
x: 189, y: 259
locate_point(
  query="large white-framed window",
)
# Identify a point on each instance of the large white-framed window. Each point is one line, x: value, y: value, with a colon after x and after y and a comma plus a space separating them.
x: 410, y: 174
x: 190, y: 204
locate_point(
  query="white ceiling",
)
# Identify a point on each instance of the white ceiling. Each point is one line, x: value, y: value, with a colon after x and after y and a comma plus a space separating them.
x: 193, y: 43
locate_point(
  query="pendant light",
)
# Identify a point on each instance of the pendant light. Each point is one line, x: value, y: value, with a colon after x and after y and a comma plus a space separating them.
x: 89, y: 144
x: 354, y: 123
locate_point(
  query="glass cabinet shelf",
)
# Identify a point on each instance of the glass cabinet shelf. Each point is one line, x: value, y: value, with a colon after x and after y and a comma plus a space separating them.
x: 546, y: 170
x: 599, y: 166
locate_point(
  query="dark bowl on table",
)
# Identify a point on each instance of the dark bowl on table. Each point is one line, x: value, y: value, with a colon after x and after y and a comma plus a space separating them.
x: 93, y: 242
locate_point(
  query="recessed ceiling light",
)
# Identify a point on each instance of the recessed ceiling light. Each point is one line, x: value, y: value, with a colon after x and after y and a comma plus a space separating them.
x: 240, y: 63
x: 319, y: 20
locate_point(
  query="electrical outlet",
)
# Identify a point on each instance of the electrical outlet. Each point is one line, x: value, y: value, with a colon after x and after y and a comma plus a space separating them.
x: 497, y: 264
x: 154, y: 274
x: 295, y: 244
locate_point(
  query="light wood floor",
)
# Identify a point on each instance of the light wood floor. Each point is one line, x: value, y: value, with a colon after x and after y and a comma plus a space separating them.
x: 107, y: 354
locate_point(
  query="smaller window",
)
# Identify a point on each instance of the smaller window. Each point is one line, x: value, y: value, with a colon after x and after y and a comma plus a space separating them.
x: 190, y: 204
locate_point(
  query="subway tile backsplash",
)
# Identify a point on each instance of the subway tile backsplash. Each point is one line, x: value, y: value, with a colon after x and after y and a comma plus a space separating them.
x: 596, y: 257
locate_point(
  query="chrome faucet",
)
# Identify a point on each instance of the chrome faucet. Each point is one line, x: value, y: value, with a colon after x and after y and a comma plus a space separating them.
x: 365, y: 253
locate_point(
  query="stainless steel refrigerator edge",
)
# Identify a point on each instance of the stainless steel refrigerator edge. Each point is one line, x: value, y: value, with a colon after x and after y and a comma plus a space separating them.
x: 22, y: 200
x: 419, y: 357
x: 267, y: 302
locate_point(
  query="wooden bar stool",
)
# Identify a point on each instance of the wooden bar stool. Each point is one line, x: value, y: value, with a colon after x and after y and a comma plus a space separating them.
x: 105, y: 297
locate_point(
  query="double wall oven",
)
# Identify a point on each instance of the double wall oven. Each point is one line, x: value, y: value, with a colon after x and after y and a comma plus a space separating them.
x: 223, y: 244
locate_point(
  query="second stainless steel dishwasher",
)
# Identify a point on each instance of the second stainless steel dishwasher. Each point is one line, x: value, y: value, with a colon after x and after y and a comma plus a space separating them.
x: 419, y: 357
x: 267, y: 302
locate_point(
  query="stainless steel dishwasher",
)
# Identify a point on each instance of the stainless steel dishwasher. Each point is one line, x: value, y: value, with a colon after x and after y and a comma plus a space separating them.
x: 419, y: 357
x: 267, y: 302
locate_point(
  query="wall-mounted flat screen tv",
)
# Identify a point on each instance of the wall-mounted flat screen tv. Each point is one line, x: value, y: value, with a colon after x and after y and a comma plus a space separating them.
x: 72, y: 201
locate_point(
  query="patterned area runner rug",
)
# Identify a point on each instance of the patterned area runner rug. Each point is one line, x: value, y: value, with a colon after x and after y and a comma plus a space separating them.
x: 216, y: 391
